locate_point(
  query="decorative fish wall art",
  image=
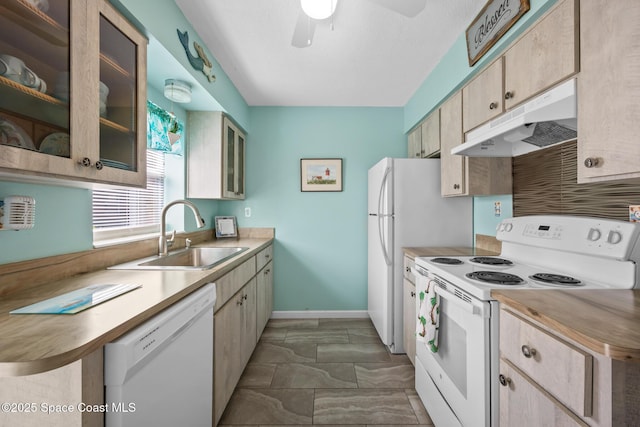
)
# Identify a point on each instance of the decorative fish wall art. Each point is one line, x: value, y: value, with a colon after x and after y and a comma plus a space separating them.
x: 199, y: 61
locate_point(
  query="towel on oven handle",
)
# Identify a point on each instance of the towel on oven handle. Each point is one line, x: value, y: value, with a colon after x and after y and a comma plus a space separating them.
x: 428, y: 313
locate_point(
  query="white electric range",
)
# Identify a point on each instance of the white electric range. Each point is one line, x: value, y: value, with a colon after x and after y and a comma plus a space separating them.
x: 458, y: 384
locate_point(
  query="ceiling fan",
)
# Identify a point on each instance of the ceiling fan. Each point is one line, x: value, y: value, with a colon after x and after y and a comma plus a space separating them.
x: 312, y: 11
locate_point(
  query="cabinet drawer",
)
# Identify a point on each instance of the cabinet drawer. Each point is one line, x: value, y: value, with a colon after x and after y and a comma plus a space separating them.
x: 558, y: 367
x: 408, y: 266
x: 231, y: 282
x: 525, y: 404
x: 263, y: 257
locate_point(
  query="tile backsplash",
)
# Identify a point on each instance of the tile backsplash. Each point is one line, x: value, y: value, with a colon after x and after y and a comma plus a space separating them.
x: 545, y: 182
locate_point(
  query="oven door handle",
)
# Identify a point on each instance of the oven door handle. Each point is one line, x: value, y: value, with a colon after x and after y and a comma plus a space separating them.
x: 467, y: 306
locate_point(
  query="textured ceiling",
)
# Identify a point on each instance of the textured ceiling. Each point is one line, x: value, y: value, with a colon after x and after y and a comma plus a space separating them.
x: 374, y: 56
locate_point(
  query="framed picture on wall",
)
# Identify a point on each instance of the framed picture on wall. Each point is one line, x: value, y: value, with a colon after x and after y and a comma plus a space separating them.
x: 320, y: 174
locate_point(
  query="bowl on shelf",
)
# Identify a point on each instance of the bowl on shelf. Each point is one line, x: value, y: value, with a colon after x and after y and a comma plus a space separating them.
x: 14, y: 69
x: 14, y: 135
x: 57, y: 143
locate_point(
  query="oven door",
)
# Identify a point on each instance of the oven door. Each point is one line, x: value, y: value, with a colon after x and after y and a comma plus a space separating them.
x: 458, y: 375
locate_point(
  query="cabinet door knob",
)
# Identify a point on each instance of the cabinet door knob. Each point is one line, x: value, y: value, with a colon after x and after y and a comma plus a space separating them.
x: 508, y: 95
x: 591, y: 162
x: 413, y: 294
x: 86, y: 162
x: 504, y: 381
x: 493, y: 106
x: 99, y: 165
x: 528, y: 352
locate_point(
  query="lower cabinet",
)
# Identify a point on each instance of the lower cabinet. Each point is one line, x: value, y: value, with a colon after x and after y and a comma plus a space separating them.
x: 243, y: 307
x: 234, y: 341
x: 547, y: 379
x: 409, y: 310
x: 26, y: 399
x: 264, y: 292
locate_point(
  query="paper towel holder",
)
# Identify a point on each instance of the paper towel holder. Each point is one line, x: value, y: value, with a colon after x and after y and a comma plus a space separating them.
x: 17, y: 213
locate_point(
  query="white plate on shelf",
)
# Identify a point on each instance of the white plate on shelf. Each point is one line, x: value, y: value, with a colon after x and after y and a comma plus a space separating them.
x: 14, y: 135
x: 57, y: 144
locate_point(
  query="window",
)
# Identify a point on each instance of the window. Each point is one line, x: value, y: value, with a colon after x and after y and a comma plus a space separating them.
x: 135, y: 213
x: 119, y: 213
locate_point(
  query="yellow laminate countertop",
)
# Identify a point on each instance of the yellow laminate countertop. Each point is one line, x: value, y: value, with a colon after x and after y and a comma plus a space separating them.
x: 34, y: 343
x: 605, y: 321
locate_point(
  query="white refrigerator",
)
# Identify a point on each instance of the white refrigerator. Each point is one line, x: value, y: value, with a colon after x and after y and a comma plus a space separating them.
x: 405, y: 209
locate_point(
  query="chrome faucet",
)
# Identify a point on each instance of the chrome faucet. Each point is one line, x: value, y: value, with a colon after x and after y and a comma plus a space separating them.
x: 163, y: 243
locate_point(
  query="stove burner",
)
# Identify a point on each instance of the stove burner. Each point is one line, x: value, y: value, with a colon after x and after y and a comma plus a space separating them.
x: 556, y: 279
x: 495, y: 277
x: 448, y: 261
x: 488, y: 260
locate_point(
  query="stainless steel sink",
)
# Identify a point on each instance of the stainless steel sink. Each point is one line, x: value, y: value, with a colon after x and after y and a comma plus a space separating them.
x: 185, y: 259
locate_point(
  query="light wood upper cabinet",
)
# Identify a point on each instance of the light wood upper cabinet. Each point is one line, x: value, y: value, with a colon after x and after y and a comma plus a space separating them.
x: 215, y: 157
x: 431, y: 135
x: 482, y: 97
x: 608, y: 91
x: 544, y: 55
x: 93, y: 65
x: 424, y: 140
x: 465, y: 176
x: 414, y: 144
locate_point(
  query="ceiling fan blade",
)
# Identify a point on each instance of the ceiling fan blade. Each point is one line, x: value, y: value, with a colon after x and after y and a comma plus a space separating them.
x: 303, y: 32
x: 408, y: 8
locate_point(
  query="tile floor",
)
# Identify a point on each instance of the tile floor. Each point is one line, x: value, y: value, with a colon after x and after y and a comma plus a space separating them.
x: 325, y: 371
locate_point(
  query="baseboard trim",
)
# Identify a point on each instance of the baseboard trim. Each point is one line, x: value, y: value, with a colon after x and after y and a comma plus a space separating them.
x: 321, y: 314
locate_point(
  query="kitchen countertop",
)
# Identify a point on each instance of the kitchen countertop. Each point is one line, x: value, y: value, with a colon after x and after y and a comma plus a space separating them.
x: 605, y: 321
x: 34, y: 343
x: 446, y: 251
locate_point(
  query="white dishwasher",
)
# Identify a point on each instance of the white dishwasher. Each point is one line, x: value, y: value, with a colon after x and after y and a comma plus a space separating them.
x: 161, y: 373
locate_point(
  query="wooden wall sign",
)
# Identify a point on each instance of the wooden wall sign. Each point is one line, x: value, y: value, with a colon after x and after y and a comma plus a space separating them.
x: 495, y: 19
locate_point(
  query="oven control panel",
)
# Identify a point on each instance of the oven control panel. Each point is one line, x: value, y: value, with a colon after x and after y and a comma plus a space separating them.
x: 543, y: 231
x: 586, y: 235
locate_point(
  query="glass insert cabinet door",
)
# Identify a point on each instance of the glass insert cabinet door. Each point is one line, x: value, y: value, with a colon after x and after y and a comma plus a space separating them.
x: 35, y: 61
x: 72, y: 92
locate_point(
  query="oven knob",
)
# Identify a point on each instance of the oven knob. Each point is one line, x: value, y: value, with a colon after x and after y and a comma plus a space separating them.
x: 508, y: 227
x: 614, y: 237
x: 594, y: 234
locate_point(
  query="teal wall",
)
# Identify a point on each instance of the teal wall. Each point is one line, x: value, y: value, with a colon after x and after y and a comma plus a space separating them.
x: 320, y: 260
x: 453, y: 69
x: 62, y: 224
x: 321, y: 238
x: 485, y: 216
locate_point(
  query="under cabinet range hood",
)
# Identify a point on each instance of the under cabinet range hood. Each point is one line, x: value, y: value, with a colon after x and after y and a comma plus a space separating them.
x: 546, y: 120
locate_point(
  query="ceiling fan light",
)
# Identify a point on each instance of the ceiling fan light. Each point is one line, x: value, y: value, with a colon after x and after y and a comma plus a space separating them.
x: 318, y: 9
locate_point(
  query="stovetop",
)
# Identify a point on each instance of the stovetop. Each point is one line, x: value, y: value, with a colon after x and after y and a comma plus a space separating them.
x: 467, y: 273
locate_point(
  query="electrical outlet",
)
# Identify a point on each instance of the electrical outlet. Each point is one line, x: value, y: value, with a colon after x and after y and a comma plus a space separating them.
x: 247, y: 212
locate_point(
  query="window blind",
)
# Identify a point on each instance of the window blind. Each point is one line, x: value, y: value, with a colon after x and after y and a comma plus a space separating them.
x: 127, y: 212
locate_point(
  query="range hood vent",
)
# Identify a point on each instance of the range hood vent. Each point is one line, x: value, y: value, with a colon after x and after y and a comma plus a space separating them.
x: 546, y: 120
